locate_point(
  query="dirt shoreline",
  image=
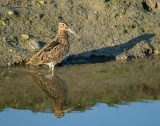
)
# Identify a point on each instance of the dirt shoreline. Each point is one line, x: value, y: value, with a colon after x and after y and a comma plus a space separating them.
x: 109, y: 29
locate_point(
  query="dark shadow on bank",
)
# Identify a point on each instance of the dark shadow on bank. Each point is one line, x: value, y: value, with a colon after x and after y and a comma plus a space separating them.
x: 109, y: 53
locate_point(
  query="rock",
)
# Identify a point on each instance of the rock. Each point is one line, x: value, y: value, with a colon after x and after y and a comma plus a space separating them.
x: 121, y: 57
x: 92, y: 16
x: 2, y: 23
x: 10, y: 12
x: 41, y: 2
x: 33, y: 44
x: 151, y: 4
x: 4, y: 2
x: 9, y: 64
x: 24, y: 36
x: 157, y: 52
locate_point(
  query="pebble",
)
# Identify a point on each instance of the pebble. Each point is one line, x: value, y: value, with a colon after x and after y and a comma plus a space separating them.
x: 2, y: 23
x: 151, y: 4
x: 24, y: 36
x: 9, y: 64
x: 41, y: 2
x: 33, y: 44
x: 121, y: 57
x: 10, y: 50
x: 156, y: 52
x: 10, y: 12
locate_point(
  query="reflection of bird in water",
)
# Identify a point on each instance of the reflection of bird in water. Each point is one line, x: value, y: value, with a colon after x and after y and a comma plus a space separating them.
x: 54, y: 88
x: 55, y: 51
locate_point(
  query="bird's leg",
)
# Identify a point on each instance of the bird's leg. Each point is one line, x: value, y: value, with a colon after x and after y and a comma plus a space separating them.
x: 52, y: 70
x: 51, y: 66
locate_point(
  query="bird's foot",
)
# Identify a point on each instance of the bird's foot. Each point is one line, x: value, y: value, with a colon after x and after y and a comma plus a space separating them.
x: 49, y: 76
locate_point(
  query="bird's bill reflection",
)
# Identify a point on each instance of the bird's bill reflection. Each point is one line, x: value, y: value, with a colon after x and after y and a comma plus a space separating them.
x: 71, y: 108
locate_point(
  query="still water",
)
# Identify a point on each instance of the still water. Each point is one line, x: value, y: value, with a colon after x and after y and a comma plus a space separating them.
x: 102, y: 94
x: 135, y: 114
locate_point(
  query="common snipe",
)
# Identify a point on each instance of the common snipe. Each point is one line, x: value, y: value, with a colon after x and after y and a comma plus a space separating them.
x: 55, y: 51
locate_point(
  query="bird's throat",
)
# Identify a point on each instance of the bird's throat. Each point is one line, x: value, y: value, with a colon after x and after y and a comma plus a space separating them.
x: 62, y: 37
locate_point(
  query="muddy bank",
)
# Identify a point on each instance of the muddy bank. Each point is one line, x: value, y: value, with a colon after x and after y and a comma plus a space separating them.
x: 109, y: 29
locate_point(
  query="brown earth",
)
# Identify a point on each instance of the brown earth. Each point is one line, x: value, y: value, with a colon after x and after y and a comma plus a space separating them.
x: 109, y: 29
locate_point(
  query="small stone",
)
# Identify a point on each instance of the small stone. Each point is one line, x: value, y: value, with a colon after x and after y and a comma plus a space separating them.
x: 24, y: 36
x: 33, y: 44
x: 156, y: 51
x: 121, y: 57
x: 11, y: 50
x: 9, y: 64
x: 4, y: 2
x: 41, y: 2
x: 10, y: 12
x: 2, y: 23
x: 151, y: 4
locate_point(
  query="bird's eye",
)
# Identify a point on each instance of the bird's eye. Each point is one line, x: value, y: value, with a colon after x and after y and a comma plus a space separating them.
x: 63, y: 24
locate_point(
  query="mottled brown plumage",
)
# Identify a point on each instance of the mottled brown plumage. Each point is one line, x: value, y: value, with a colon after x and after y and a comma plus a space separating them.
x: 55, y: 51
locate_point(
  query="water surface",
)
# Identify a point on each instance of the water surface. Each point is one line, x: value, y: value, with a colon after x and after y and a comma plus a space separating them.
x: 112, y: 93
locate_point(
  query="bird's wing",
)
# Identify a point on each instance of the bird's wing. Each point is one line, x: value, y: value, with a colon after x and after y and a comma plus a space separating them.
x: 54, y: 55
x: 47, y: 48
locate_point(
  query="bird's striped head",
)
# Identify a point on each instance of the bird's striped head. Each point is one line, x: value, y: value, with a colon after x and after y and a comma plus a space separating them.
x: 64, y: 26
